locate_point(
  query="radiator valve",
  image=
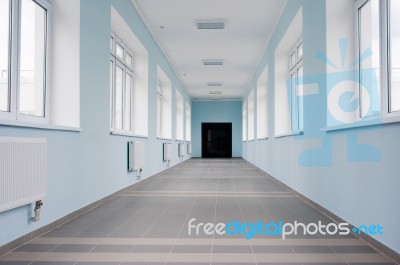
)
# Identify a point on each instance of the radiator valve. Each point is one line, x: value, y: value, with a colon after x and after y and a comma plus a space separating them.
x: 38, y: 207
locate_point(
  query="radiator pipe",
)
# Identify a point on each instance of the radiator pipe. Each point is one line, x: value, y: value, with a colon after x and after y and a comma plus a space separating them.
x: 38, y: 207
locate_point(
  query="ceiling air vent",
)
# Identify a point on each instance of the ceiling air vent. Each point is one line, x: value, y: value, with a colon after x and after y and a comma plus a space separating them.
x: 215, y: 92
x: 213, y: 62
x: 214, y: 83
x: 210, y: 23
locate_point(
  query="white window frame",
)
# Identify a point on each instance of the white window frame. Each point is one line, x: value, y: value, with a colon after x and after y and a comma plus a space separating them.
x: 127, y: 70
x: 188, y: 122
x: 14, y: 61
x: 159, y: 108
x: 179, y: 114
x: 262, y: 106
x: 386, y: 114
x: 294, y: 104
x: 244, y: 122
x: 251, y: 105
x: 166, y: 120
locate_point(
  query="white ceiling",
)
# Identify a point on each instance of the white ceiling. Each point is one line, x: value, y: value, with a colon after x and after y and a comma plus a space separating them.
x: 249, y: 24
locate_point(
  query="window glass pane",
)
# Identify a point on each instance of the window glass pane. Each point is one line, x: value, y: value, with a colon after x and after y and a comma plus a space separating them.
x: 369, y: 65
x: 111, y: 88
x: 118, y: 98
x: 128, y: 60
x: 293, y: 59
x: 111, y: 43
x: 300, y: 96
x: 119, y: 51
x: 127, y: 103
x: 244, y: 122
x: 159, y: 88
x: 300, y: 50
x: 4, y: 54
x: 32, y: 59
x: 159, y: 116
x: 395, y: 54
x: 293, y: 102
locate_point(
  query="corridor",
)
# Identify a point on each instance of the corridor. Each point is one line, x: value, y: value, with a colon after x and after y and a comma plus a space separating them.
x: 148, y: 224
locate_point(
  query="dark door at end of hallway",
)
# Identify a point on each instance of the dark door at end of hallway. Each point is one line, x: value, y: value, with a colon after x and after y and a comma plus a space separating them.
x: 216, y: 140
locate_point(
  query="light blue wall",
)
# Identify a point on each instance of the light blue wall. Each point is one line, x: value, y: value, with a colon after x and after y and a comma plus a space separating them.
x: 217, y: 111
x: 362, y: 193
x: 84, y: 167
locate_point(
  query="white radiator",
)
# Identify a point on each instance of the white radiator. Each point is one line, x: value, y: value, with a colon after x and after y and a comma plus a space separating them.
x: 181, y: 149
x: 136, y: 155
x: 23, y: 169
x: 189, y: 148
x: 167, y: 151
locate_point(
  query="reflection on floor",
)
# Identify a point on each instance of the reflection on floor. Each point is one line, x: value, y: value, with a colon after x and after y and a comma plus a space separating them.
x: 149, y: 224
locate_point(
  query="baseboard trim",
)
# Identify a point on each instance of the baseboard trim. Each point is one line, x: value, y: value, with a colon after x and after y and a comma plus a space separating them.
x: 385, y: 250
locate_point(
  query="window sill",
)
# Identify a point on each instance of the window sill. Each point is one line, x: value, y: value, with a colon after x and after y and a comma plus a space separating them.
x: 128, y: 134
x: 40, y: 126
x: 262, y: 138
x: 288, y: 134
x: 365, y: 123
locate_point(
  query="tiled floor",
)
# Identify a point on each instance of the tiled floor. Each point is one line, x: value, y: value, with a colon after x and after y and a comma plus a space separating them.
x: 149, y: 224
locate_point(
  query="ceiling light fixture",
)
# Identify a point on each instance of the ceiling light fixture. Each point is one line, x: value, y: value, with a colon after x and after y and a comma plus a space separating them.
x: 215, y: 92
x: 215, y: 84
x: 213, y: 62
x: 215, y: 23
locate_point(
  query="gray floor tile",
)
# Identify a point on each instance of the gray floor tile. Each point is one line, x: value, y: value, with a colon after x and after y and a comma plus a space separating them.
x: 113, y: 248
x: 14, y: 262
x: 73, y: 248
x: 53, y: 263
x: 231, y: 249
x: 152, y: 249
x: 272, y: 249
x: 281, y: 263
x: 312, y: 249
x: 191, y: 249
x: 353, y: 249
x: 35, y: 248
x: 327, y: 263
x: 97, y: 263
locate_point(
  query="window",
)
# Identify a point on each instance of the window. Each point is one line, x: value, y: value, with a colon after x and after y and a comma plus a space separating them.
x: 244, y: 122
x: 129, y: 94
x: 262, y: 105
x: 121, y: 87
x: 394, y: 44
x: 24, y: 71
x: 250, y: 116
x: 369, y: 64
x: 188, y: 122
x: 179, y: 116
x: 288, y: 79
x: 378, y: 46
x: 164, y: 105
x: 4, y: 55
x: 296, y: 87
